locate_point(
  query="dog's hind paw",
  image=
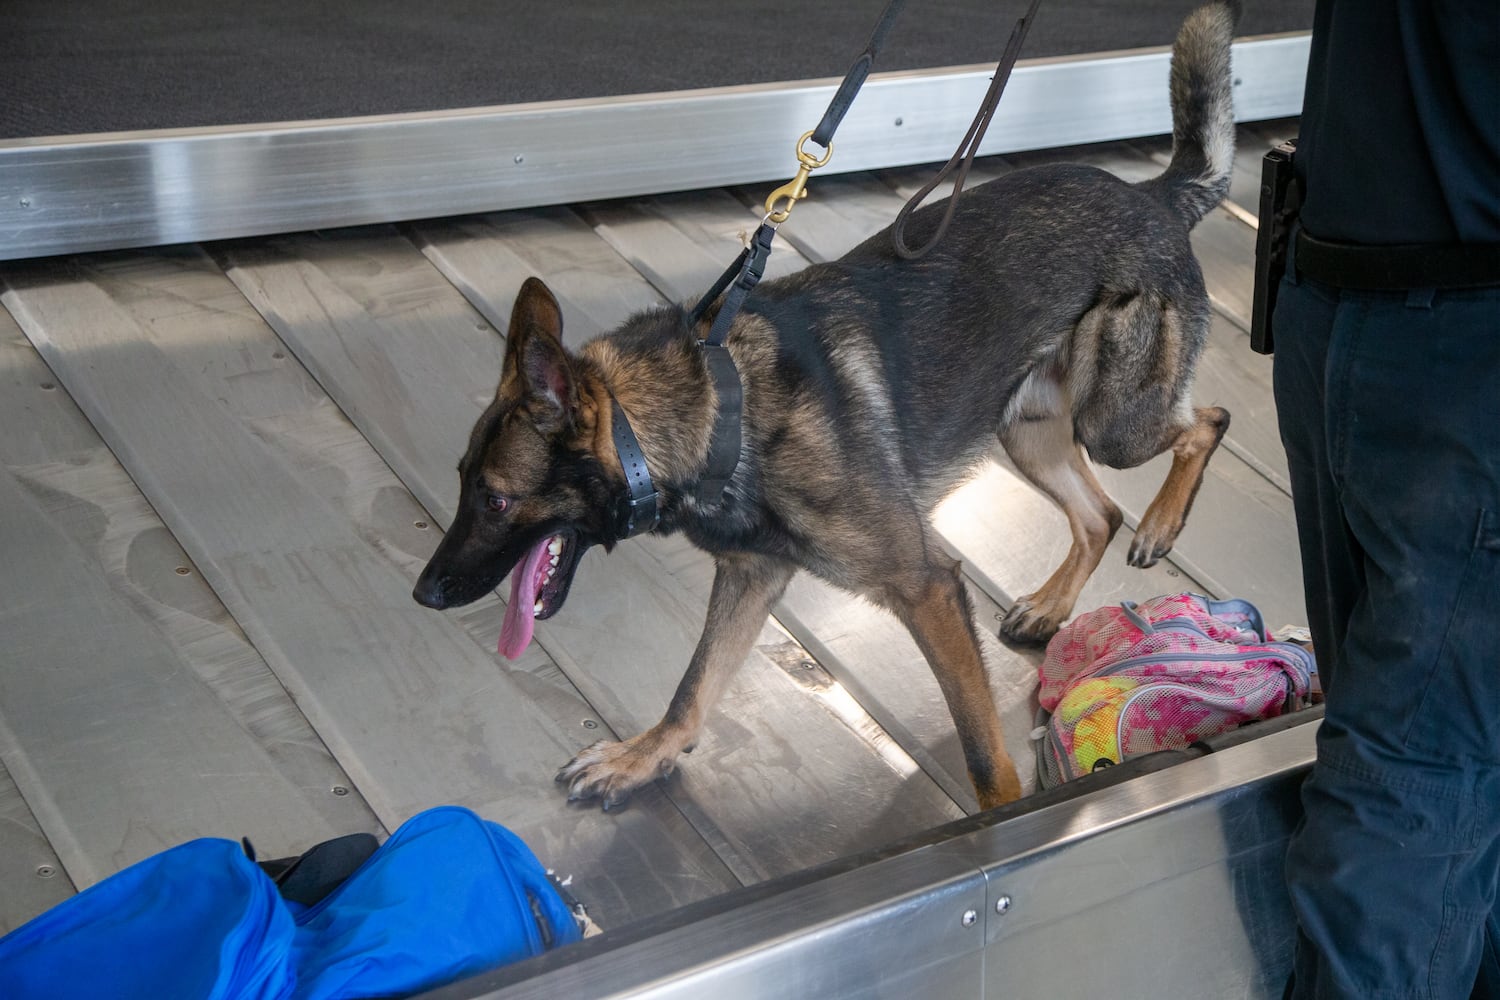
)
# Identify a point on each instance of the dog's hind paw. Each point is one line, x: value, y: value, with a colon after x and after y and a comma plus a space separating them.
x: 1032, y: 619
x: 610, y: 771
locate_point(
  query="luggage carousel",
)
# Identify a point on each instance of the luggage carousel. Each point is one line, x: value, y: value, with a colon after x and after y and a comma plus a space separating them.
x: 226, y: 459
x: 166, y: 122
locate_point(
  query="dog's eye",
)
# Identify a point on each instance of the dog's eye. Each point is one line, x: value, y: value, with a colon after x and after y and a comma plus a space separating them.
x: 497, y: 503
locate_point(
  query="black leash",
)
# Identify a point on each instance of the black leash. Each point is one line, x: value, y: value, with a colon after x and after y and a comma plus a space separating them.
x: 746, y: 271
x: 737, y: 281
x: 963, y: 157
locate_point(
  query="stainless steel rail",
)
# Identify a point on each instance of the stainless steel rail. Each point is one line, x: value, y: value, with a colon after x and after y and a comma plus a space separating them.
x: 94, y: 192
x: 1168, y: 885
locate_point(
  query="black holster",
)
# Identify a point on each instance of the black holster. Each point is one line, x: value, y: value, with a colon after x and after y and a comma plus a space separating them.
x: 1280, y: 200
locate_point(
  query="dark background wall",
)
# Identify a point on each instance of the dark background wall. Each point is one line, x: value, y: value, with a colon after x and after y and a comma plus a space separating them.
x: 74, y: 66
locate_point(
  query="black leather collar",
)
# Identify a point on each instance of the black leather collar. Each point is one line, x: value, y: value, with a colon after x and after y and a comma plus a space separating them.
x: 639, y: 511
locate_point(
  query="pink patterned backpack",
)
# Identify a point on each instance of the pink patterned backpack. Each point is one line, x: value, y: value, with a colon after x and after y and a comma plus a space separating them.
x: 1129, y: 680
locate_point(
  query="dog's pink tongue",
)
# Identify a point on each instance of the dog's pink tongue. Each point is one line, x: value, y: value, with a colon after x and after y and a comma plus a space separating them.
x: 520, y: 613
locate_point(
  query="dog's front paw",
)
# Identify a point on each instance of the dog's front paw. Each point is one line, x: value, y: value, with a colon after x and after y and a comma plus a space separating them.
x: 1033, y: 618
x: 1153, y: 539
x: 610, y: 772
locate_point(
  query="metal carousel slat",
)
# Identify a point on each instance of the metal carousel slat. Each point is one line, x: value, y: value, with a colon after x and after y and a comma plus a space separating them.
x: 629, y: 629
x: 310, y: 542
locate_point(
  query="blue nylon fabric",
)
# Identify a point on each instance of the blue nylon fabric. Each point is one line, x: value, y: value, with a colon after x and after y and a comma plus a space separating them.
x: 199, y: 921
x: 449, y: 895
x: 444, y: 898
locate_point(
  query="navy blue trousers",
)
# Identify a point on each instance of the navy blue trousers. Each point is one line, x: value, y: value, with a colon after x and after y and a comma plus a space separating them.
x: 1389, y: 406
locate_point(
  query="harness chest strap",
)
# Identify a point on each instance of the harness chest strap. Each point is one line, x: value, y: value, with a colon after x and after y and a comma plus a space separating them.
x: 724, y: 446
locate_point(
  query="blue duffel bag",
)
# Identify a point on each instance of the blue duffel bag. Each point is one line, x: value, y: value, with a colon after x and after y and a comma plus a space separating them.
x: 449, y: 895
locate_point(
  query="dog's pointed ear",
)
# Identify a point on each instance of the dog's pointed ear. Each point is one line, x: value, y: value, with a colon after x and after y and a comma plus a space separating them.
x: 536, y: 359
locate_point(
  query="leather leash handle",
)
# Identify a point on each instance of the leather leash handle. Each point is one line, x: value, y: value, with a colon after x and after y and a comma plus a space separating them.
x: 963, y: 157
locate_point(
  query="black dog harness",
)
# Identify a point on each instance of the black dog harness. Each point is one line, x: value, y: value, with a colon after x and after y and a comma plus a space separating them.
x: 639, y: 510
x: 746, y: 271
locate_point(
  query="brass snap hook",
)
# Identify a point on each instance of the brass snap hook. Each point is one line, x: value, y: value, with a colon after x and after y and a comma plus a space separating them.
x: 795, y: 189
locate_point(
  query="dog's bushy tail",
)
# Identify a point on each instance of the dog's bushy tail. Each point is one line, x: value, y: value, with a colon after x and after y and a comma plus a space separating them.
x: 1202, y: 113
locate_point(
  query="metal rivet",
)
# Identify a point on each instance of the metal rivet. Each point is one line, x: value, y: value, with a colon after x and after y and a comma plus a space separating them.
x: 520, y: 158
x: 278, y: 355
x: 182, y: 571
x: 970, y: 917
x: 590, y: 724
x: 45, y: 871
x: 49, y: 386
x: 898, y: 122
x: 1173, y: 572
x: 25, y: 202
x: 340, y: 790
x: 809, y: 665
x: 420, y: 524
x: 1002, y: 904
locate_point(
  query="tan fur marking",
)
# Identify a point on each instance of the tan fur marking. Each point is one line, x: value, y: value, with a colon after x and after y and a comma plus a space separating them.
x: 1046, y: 454
x: 937, y: 615
x: 745, y: 588
x: 1168, y: 512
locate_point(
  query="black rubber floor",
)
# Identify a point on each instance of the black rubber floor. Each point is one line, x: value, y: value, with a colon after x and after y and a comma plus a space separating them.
x: 74, y: 66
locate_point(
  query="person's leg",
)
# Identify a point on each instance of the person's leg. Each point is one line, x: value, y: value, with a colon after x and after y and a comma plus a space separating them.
x: 1393, y: 870
x: 1487, y: 983
x: 1330, y: 559
x: 1332, y: 566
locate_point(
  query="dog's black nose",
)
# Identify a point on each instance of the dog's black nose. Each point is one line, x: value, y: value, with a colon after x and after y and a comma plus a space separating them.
x: 429, y: 592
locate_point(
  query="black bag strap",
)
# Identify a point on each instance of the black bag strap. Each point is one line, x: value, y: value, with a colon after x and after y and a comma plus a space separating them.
x: 319, y: 870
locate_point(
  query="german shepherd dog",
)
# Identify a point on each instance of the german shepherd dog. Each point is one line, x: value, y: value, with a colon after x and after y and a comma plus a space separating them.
x: 1062, y: 313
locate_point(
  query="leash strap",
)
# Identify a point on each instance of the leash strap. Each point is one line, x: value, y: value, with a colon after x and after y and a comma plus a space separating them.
x: 746, y: 271
x: 855, y: 78
x: 963, y: 157
x: 640, y: 511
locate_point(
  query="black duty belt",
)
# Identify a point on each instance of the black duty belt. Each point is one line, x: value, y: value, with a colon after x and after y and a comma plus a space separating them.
x: 1366, y: 268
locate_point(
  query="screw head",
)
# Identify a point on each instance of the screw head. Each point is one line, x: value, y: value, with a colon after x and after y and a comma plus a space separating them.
x: 45, y: 871
x: 971, y: 917
x: 898, y: 122
x: 1002, y: 904
x: 520, y: 158
x: 590, y: 724
x: 25, y: 202
x: 340, y: 790
x: 420, y: 525
x: 182, y: 571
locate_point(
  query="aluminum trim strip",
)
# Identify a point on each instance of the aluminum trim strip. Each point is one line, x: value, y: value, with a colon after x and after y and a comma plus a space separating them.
x: 921, y: 893
x: 80, y: 193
